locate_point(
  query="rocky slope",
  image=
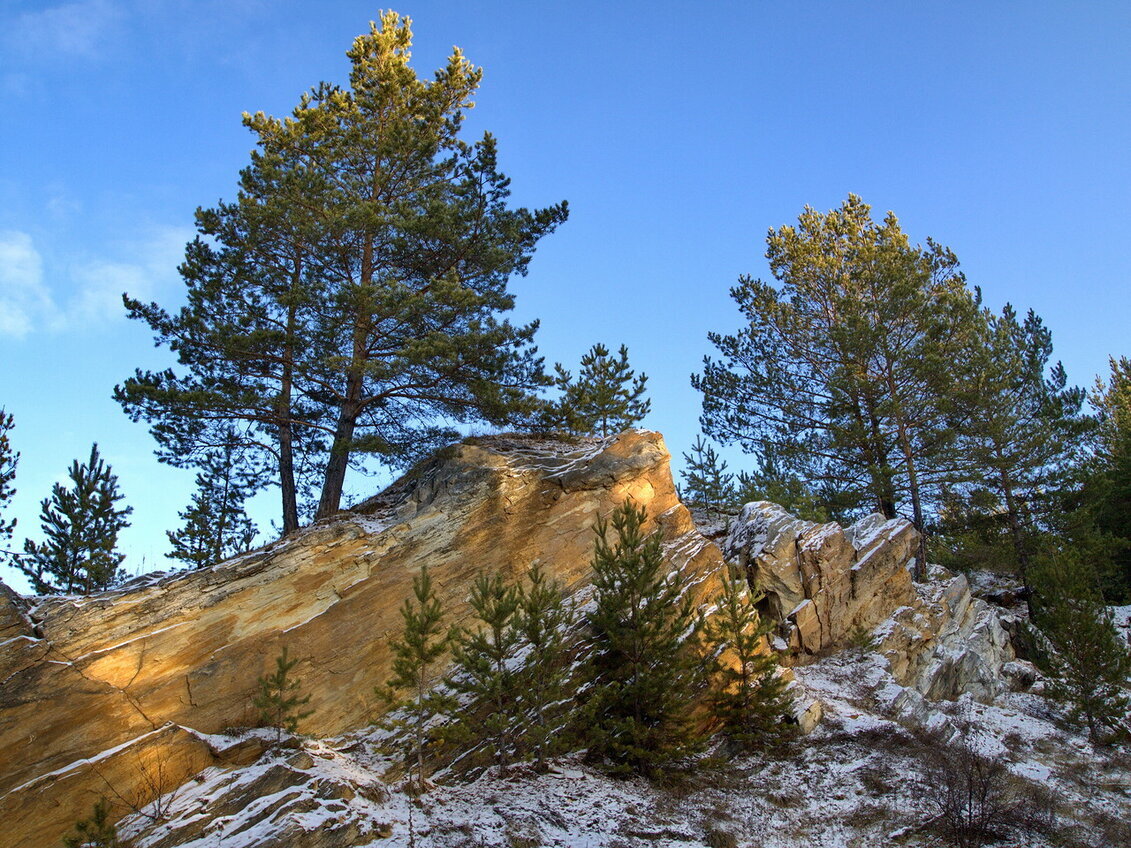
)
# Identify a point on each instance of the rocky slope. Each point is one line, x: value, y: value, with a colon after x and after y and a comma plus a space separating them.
x: 129, y: 693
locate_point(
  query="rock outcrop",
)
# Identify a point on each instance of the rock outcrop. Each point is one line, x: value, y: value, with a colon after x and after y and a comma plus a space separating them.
x: 128, y: 693
x: 832, y: 587
x: 83, y: 676
x: 826, y: 584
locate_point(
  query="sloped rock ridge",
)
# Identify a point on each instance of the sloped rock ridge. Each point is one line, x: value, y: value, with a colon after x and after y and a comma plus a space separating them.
x: 96, y: 692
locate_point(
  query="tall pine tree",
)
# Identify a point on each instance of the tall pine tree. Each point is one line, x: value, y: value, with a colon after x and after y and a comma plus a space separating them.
x: 607, y: 396
x: 80, y: 524
x: 849, y: 369
x: 642, y: 664
x: 1023, y: 437
x: 352, y: 298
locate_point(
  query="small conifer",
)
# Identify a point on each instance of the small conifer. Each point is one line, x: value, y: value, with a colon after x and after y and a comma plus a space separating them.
x: 606, y: 398
x: 749, y: 700
x: 416, y: 655
x: 278, y: 701
x: 215, y: 525
x: 643, y: 668
x: 95, y: 832
x: 8, y: 461
x: 705, y: 479
x: 545, y: 620
x: 80, y: 524
x: 1088, y: 664
x: 484, y: 665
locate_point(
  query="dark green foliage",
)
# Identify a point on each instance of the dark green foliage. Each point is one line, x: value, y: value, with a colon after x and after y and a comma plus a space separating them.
x: 642, y: 665
x: 484, y: 667
x: 848, y: 369
x: 215, y: 525
x: 416, y: 654
x: 607, y: 396
x: 1087, y: 662
x: 1023, y: 434
x: 749, y: 697
x: 95, y: 832
x: 706, y: 483
x: 80, y: 524
x: 1107, y: 489
x: 278, y: 700
x: 350, y: 298
x: 770, y: 482
x: 546, y: 621
x: 8, y: 461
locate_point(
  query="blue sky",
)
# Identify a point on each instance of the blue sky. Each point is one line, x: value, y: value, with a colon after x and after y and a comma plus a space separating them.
x: 678, y: 132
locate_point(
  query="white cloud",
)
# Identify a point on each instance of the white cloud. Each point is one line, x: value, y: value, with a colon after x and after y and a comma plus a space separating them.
x: 24, y: 299
x: 90, y: 292
x: 79, y: 29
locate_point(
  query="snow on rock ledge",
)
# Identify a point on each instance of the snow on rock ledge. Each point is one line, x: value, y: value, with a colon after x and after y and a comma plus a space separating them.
x: 833, y: 587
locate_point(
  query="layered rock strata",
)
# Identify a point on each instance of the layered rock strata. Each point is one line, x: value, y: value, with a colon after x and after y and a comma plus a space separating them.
x: 83, y: 676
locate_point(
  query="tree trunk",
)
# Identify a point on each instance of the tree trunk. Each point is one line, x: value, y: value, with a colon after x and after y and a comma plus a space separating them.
x: 335, y: 478
x: 286, y: 417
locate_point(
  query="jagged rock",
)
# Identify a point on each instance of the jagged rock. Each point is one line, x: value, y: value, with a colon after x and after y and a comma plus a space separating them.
x: 825, y: 583
x: 947, y: 643
x: 100, y: 671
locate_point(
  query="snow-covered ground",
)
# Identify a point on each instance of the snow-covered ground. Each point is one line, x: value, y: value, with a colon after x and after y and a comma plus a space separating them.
x: 859, y: 779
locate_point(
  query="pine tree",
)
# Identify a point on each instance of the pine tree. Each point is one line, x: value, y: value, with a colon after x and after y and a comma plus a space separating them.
x: 484, y: 662
x: 749, y: 700
x: 1025, y: 436
x: 545, y: 621
x: 606, y: 398
x: 215, y: 525
x: 641, y: 665
x: 9, y: 459
x: 354, y: 294
x: 278, y: 700
x: 81, y: 525
x: 1107, y: 483
x: 850, y: 369
x: 416, y: 654
x: 1088, y: 664
x: 706, y: 482
x: 95, y: 832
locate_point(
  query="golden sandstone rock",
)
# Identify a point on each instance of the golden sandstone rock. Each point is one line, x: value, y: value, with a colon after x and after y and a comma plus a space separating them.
x: 97, y: 692
x: 107, y: 671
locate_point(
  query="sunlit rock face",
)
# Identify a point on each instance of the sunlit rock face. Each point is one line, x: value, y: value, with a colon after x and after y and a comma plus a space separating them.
x: 128, y: 693
x: 827, y: 584
x: 83, y: 676
x: 832, y: 587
